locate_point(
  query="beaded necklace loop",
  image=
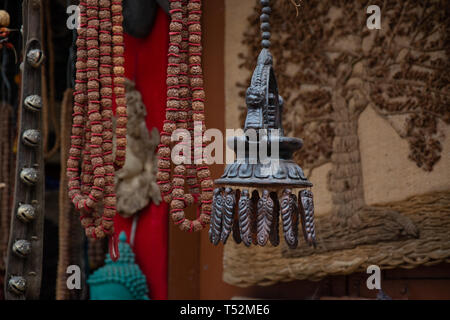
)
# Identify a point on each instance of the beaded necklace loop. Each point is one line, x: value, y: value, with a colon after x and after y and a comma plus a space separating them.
x: 99, y: 80
x: 185, y: 105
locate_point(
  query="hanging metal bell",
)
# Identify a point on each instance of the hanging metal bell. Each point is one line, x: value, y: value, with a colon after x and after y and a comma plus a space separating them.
x: 258, y: 191
x: 35, y: 57
x: 17, y: 285
x: 33, y: 102
x: 26, y: 213
x: 29, y: 176
x: 31, y: 137
x: 22, y: 248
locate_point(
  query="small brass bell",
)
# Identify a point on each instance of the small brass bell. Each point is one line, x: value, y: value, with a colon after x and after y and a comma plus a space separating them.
x: 17, y: 285
x: 26, y: 213
x: 31, y: 137
x: 22, y: 248
x: 29, y: 176
x: 35, y: 57
x: 33, y: 102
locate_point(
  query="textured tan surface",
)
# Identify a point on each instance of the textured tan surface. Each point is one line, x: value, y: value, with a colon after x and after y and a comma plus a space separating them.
x: 268, y: 265
x: 236, y: 13
x: 388, y: 174
x: 322, y: 196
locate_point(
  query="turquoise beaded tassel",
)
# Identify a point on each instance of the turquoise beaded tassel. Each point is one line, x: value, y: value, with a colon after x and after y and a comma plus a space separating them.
x: 120, y: 280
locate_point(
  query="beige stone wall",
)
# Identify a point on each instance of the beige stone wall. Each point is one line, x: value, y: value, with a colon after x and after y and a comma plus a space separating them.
x: 388, y: 174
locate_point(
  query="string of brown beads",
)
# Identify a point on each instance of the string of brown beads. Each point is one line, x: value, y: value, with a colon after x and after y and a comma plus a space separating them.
x: 119, y: 82
x: 185, y: 104
x: 92, y: 190
x: 186, y: 101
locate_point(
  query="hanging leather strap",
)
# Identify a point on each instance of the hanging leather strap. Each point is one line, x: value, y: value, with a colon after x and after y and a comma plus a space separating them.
x: 24, y: 262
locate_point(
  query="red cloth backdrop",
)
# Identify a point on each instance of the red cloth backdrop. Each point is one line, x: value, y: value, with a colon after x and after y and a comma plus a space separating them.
x: 146, y: 64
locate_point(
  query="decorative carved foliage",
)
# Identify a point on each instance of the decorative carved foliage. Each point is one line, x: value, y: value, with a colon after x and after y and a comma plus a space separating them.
x: 215, y: 228
x: 264, y: 217
x: 401, y: 70
x: 228, y: 210
x: 289, y: 216
x: 257, y: 217
x: 423, y: 136
x: 307, y: 216
x: 245, y: 217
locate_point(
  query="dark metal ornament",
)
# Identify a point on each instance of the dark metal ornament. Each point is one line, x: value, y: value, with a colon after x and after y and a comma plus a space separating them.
x: 289, y: 216
x: 261, y: 189
x: 17, y: 285
x: 307, y: 215
x: 215, y: 229
x: 29, y: 176
x: 31, y: 137
x: 264, y: 217
x: 227, y: 220
x: 22, y: 248
x: 35, y: 57
x: 245, y: 214
x: 26, y: 213
x: 33, y: 102
x: 24, y: 260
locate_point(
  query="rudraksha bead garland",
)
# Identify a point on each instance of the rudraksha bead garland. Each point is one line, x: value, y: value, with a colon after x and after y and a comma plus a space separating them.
x: 186, y: 101
x: 185, y: 104
x: 99, y: 64
x: 119, y: 83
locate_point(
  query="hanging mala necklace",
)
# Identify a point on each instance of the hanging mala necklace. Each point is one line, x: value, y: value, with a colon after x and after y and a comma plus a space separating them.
x: 99, y: 79
x: 185, y: 105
